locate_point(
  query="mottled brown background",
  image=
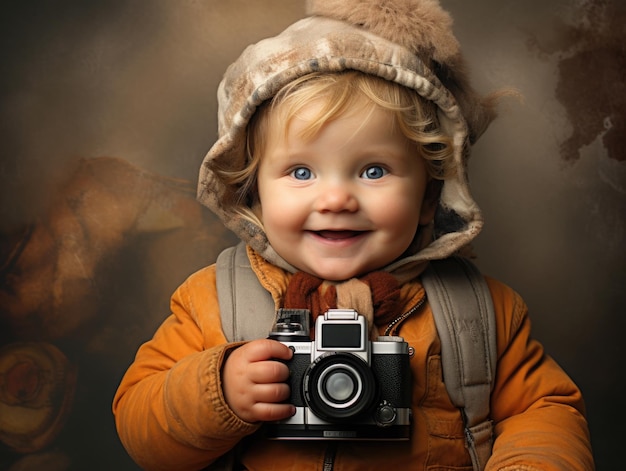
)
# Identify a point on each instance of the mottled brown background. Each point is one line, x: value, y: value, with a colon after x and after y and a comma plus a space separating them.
x: 136, y: 80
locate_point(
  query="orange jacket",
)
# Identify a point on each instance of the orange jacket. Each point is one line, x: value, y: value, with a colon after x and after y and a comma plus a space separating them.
x: 171, y: 414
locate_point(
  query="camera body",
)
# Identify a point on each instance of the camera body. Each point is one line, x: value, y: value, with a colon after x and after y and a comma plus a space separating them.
x: 344, y: 386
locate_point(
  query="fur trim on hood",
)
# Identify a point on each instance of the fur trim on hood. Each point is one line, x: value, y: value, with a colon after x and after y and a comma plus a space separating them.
x: 406, y: 41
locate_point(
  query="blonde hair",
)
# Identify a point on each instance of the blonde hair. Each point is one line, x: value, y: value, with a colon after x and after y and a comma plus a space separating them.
x: 415, y: 116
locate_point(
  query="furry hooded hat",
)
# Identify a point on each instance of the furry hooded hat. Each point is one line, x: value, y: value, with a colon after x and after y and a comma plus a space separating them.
x: 405, y: 41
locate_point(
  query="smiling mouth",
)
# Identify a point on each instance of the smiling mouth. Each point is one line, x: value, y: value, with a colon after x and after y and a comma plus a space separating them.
x: 338, y: 235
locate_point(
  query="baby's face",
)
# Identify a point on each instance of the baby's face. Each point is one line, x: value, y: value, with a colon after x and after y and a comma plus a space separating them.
x: 345, y: 202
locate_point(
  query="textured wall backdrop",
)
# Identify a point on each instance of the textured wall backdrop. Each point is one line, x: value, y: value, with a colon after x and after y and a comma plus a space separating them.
x: 135, y: 80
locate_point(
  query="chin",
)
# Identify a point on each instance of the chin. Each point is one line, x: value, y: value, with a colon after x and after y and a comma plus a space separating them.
x: 336, y: 275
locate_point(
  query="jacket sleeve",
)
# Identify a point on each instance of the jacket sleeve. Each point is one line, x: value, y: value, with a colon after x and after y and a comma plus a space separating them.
x: 170, y: 411
x: 537, y: 410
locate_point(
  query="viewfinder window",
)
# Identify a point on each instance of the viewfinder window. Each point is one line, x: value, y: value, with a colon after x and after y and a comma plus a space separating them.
x: 341, y: 336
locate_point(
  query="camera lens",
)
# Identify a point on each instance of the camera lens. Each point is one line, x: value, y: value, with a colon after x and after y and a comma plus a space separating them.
x: 339, y: 386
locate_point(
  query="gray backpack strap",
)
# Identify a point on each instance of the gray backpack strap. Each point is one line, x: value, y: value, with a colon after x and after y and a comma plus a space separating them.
x: 241, y: 297
x: 239, y: 292
x: 464, y: 315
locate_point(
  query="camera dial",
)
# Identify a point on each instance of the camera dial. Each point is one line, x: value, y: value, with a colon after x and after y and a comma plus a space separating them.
x: 385, y: 414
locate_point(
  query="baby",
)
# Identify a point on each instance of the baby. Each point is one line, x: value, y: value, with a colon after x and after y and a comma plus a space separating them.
x: 341, y: 164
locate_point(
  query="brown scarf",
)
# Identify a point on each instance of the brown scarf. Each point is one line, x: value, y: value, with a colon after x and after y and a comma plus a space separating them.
x: 376, y: 296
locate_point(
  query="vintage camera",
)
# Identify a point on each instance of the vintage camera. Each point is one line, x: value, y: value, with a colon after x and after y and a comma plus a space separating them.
x: 344, y: 386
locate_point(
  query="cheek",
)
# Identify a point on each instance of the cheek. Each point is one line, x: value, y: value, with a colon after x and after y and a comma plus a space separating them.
x: 399, y: 215
x: 279, y: 211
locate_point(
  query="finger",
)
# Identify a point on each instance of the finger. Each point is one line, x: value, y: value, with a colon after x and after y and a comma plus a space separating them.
x: 271, y: 393
x: 264, y: 372
x: 266, y: 349
x: 265, y: 412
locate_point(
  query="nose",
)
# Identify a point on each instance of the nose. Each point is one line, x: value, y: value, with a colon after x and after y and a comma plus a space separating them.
x: 336, y: 198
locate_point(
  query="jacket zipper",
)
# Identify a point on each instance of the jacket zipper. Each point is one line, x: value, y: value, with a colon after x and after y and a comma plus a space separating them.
x: 394, y: 326
x: 329, y: 457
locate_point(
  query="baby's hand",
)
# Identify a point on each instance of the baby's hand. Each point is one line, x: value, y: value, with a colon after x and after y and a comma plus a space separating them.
x: 254, y: 382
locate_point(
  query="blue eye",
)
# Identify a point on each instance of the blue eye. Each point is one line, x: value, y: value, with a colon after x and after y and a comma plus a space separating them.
x: 374, y: 172
x: 302, y: 173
